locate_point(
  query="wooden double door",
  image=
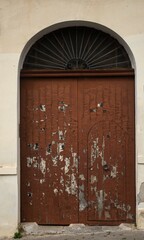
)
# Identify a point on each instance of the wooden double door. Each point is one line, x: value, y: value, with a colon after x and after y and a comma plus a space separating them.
x: 77, y: 148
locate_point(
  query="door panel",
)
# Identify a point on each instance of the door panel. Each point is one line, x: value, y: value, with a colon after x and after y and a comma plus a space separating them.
x: 49, y: 151
x: 106, y: 137
x: 77, y: 149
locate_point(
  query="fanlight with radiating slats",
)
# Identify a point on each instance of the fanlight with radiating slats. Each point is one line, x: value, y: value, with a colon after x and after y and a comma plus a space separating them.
x: 77, y: 48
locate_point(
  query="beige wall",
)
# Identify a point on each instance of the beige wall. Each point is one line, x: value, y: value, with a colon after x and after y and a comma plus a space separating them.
x: 20, y: 21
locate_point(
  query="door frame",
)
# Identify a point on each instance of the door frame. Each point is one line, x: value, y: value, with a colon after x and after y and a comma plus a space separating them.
x: 77, y: 73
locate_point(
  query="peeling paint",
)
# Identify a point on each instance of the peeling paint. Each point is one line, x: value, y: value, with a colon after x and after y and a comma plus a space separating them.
x: 84, y: 151
x: 62, y: 106
x: 28, y: 184
x: 60, y: 147
x: 67, y: 188
x: 114, y: 172
x: 73, y: 184
x: 62, y: 180
x: 107, y: 207
x: 95, y: 151
x: 29, y: 194
x: 128, y: 208
x: 35, y: 109
x: 93, y: 179
x: 35, y: 164
x: 61, y: 158
x: 62, y: 134
x: 30, y: 145
x: 67, y: 181
x: 82, y: 201
x: 100, y: 104
x: 67, y: 165
x: 93, y: 109
x: 54, y: 133
x: 100, y: 202
x: 55, y: 191
x: 75, y: 161
x: 105, y: 177
x: 55, y: 160
x: 36, y: 146
x: 43, y: 166
x: 102, y: 152
x: 130, y: 216
x: 121, y: 206
x: 81, y: 177
x: 48, y: 150
x: 42, y: 181
x: 61, y: 191
x: 107, y: 215
x: 42, y: 129
x: 93, y: 189
x: 29, y: 161
x: 43, y: 107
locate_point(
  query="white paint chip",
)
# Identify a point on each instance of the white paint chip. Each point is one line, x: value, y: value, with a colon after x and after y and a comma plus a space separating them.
x: 43, y: 166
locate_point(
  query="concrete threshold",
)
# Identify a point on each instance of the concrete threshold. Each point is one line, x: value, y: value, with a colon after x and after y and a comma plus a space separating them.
x: 38, y: 230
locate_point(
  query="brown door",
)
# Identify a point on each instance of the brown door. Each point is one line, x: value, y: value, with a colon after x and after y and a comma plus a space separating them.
x: 77, y: 148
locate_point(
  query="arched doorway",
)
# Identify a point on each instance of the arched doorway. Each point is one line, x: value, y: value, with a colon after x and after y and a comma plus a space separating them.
x: 77, y: 130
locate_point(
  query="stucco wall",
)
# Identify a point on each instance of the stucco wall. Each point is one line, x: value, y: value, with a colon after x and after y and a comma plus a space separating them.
x: 21, y: 22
